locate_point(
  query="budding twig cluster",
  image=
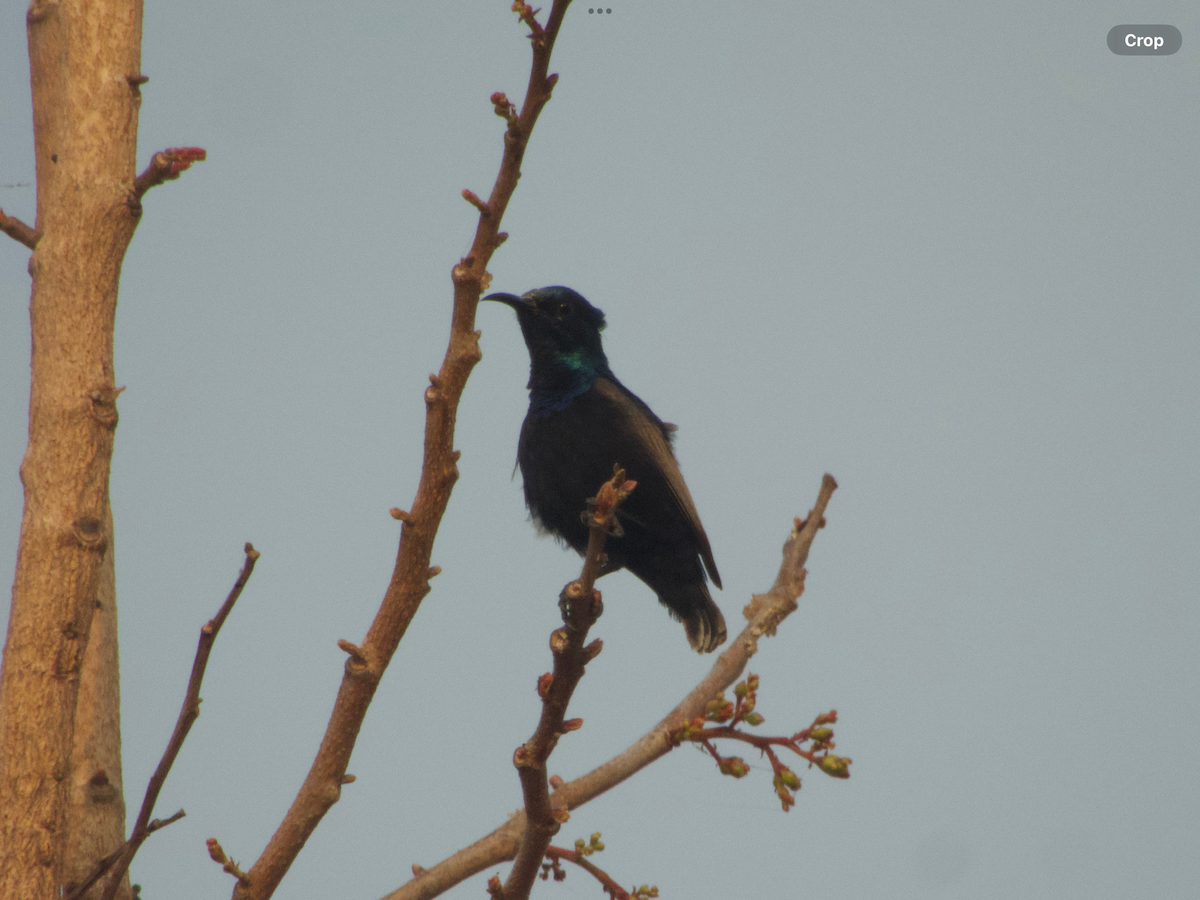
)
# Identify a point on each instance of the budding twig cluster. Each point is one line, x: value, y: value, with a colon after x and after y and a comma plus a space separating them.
x: 578, y: 856
x: 727, y: 716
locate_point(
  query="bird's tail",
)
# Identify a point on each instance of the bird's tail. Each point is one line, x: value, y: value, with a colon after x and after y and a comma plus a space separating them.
x: 703, y: 622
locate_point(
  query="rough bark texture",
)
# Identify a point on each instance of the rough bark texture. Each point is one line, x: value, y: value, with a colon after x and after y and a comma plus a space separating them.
x: 84, y: 65
x: 95, y: 817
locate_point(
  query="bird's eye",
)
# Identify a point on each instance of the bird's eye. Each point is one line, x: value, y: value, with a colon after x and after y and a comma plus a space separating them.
x: 563, y: 309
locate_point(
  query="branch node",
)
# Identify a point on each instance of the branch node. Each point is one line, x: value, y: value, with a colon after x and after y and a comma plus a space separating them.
x: 433, y: 572
x: 560, y: 640
x: 349, y: 779
x: 39, y: 10
x: 104, y: 405
x: 89, y: 531
x: 357, y: 663
x: 472, y: 198
x: 218, y: 856
x: 399, y: 514
x: 504, y: 107
x: 418, y: 870
x: 100, y: 789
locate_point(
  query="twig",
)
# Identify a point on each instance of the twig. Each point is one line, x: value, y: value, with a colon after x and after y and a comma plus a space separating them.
x: 19, y: 231
x: 728, y: 716
x: 217, y: 855
x: 765, y: 612
x: 410, y: 577
x: 187, y: 717
x: 78, y: 889
x: 166, y: 165
x: 118, y: 861
x: 578, y: 856
x: 581, y: 605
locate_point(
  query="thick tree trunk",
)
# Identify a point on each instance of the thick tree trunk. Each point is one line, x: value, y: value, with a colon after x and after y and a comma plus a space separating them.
x: 85, y: 67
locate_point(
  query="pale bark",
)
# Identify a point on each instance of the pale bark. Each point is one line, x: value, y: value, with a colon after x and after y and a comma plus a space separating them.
x: 85, y: 71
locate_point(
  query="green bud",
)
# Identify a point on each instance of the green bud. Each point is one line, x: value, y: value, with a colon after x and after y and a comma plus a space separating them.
x: 837, y: 766
x: 754, y: 719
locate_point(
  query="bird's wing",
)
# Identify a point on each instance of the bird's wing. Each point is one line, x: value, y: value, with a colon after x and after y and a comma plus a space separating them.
x: 654, y: 435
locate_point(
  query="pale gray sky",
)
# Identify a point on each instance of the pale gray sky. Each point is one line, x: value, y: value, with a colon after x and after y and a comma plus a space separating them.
x: 945, y: 251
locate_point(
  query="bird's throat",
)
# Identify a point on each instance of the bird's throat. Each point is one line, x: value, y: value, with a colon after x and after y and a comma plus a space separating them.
x: 557, y: 380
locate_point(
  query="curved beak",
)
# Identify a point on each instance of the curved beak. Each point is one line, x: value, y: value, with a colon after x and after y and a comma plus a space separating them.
x: 517, y: 303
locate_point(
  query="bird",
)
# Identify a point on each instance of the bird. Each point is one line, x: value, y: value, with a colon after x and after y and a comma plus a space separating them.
x: 581, y: 423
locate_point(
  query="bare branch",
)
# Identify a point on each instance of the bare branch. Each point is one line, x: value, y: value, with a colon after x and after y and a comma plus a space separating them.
x: 764, y: 612
x: 410, y: 577
x: 118, y: 861
x: 18, y: 231
x: 581, y: 606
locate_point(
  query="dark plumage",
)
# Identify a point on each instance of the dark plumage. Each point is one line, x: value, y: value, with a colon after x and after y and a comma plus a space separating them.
x: 582, y: 421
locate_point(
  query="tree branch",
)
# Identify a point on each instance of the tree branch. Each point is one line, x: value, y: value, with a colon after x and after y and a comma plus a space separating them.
x: 410, y: 576
x: 581, y: 606
x: 166, y: 165
x: 118, y: 861
x: 18, y: 230
x: 765, y: 612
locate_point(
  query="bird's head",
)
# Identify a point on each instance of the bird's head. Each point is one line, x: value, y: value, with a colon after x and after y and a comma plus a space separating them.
x: 559, y: 327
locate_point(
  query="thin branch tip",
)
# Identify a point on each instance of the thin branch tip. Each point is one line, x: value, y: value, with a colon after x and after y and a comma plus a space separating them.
x: 217, y: 855
x: 167, y: 165
x: 474, y: 200
x: 117, y: 864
